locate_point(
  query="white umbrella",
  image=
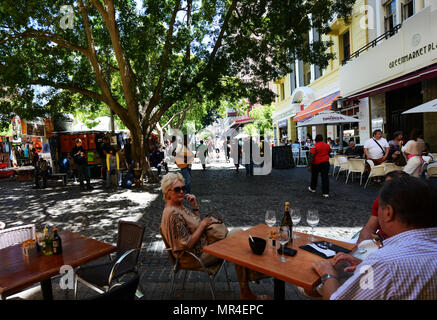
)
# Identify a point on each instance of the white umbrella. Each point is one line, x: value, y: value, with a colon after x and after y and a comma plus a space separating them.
x: 328, y: 118
x: 430, y: 106
x: 241, y: 135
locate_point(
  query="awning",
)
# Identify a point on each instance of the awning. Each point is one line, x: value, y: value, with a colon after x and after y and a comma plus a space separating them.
x: 241, y: 121
x: 317, y: 106
x: 410, y: 79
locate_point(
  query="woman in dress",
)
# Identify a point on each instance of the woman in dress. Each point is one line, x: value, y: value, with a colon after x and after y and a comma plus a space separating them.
x: 184, y: 230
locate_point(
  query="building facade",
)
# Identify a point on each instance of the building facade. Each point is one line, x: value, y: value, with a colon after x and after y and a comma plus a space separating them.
x: 397, y: 70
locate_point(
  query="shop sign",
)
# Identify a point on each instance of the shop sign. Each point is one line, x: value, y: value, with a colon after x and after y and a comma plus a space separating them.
x: 282, y: 123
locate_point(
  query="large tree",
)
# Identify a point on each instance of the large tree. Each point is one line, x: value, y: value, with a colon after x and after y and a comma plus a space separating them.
x: 141, y: 58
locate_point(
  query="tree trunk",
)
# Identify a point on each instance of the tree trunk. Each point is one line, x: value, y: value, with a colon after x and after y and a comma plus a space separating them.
x: 147, y: 170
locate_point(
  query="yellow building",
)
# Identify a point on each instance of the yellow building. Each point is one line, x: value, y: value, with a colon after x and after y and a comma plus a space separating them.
x: 309, y: 90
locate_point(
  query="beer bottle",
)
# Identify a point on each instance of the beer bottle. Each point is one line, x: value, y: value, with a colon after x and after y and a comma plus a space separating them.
x: 57, y: 242
x: 47, y: 243
x: 286, y: 220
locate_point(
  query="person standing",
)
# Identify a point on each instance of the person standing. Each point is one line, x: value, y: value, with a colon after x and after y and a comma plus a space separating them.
x: 228, y: 148
x: 113, y: 167
x: 35, y: 163
x: 395, y: 148
x: 319, y: 163
x: 78, y: 154
x: 376, y: 148
x: 183, y: 158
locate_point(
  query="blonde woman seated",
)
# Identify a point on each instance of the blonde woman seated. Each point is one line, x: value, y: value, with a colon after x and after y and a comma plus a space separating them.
x: 183, y: 230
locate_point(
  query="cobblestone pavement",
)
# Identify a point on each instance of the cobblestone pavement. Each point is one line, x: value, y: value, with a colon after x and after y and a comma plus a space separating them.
x: 241, y: 200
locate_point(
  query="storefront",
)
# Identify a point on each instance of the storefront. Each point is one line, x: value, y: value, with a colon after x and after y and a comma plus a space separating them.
x: 397, y: 74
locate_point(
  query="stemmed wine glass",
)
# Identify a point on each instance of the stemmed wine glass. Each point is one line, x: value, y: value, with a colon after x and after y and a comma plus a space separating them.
x: 295, y: 218
x: 313, y: 220
x: 270, y: 219
x: 284, y: 237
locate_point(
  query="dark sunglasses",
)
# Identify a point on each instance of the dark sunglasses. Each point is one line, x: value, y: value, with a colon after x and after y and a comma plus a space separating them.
x: 178, y: 189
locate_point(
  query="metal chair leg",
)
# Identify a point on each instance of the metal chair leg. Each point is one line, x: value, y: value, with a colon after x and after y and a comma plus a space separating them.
x: 347, y: 178
x: 75, y: 288
x: 211, y: 286
x: 228, y: 280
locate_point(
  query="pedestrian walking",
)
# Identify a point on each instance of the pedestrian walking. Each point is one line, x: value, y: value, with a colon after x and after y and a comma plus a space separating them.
x: 78, y: 154
x: 319, y: 163
x: 202, y: 153
x: 239, y: 155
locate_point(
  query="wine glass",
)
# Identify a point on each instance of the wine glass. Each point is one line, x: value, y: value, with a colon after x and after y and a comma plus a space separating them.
x: 270, y: 219
x: 295, y: 218
x: 313, y: 220
x: 283, y: 237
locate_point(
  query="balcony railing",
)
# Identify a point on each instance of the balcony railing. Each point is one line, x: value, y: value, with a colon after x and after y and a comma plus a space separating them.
x: 373, y: 43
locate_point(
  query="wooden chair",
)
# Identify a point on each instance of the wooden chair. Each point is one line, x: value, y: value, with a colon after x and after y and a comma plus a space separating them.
x: 356, y: 165
x: 375, y: 171
x: 15, y: 235
x: 211, y: 273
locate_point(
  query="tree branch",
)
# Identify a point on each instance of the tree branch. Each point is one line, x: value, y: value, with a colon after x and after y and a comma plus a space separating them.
x: 32, y: 33
x: 167, y: 47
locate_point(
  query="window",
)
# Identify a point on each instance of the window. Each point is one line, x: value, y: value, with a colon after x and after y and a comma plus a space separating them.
x: 346, y: 45
x: 390, y: 16
x: 407, y: 9
x: 282, y: 87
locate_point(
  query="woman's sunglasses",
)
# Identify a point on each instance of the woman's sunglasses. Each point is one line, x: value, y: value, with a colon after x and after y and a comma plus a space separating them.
x: 178, y: 189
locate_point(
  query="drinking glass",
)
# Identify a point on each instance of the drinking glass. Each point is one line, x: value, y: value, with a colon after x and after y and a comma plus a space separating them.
x: 295, y: 218
x: 283, y: 237
x: 270, y: 220
x: 313, y: 220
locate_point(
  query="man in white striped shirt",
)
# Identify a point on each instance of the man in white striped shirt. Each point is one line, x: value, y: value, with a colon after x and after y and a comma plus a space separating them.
x: 406, y: 267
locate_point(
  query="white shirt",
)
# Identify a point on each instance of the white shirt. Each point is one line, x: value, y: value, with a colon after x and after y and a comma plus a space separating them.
x: 404, y: 269
x: 374, y: 151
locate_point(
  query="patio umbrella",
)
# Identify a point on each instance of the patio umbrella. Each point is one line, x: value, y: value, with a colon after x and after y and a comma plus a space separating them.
x: 430, y: 106
x: 328, y: 118
x: 241, y: 135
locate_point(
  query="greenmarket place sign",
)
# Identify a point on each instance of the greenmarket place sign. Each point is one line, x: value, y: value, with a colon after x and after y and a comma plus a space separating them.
x: 414, y: 54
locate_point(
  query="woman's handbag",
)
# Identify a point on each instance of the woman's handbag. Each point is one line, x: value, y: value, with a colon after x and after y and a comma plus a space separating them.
x: 217, y: 230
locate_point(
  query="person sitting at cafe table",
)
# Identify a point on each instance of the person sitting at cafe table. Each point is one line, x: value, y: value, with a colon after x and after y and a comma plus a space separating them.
x: 406, y: 266
x: 395, y: 146
x: 352, y: 150
x: 184, y: 230
x: 376, y: 148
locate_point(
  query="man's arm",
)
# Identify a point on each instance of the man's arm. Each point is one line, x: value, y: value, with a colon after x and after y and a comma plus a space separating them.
x: 386, y: 154
x: 331, y: 285
x: 371, y: 226
x: 366, y: 153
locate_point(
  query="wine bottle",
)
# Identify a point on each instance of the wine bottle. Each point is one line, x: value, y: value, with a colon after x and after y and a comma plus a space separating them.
x: 57, y: 242
x: 47, y: 243
x: 286, y: 220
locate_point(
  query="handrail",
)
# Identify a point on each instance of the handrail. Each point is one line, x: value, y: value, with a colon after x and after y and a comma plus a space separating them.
x: 373, y: 43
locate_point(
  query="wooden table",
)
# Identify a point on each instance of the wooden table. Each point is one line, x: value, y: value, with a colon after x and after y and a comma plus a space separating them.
x: 18, y: 272
x: 297, y: 270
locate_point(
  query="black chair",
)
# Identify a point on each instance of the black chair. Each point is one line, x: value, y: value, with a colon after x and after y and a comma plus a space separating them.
x: 100, y: 277
x: 120, y: 291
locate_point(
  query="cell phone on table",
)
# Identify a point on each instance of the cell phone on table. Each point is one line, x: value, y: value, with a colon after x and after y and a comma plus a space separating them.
x: 288, y: 252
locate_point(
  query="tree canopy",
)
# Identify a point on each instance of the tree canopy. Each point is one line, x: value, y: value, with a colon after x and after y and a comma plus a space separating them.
x: 144, y: 59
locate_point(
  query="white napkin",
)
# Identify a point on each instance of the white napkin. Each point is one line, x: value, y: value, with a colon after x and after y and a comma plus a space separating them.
x: 367, y: 247
x: 327, y: 252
